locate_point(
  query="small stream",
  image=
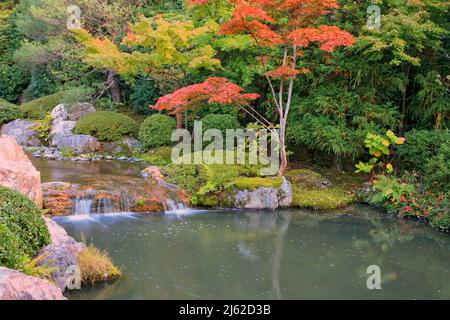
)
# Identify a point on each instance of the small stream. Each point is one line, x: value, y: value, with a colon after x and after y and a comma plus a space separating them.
x: 243, y: 254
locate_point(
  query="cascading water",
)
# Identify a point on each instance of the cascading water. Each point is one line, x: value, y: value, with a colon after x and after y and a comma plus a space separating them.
x: 101, y: 202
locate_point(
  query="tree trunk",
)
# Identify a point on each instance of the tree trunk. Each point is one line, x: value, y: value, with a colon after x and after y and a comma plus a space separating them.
x: 179, y: 120
x: 113, y: 84
x: 283, y: 156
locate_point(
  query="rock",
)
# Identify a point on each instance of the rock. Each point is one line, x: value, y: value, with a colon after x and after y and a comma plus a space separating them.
x: 123, y: 146
x: 60, y: 113
x: 57, y: 198
x: 61, y: 253
x: 15, y: 285
x: 63, y: 112
x: 265, y: 198
x: 60, y: 129
x: 17, y: 172
x: 78, y: 143
x: 23, y: 131
x: 64, y: 121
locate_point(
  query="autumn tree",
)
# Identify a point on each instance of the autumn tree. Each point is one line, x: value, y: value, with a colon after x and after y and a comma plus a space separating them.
x: 49, y: 42
x: 288, y: 27
x: 167, y: 51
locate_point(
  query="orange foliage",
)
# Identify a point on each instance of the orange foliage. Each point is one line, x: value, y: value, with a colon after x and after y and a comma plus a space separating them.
x: 212, y: 90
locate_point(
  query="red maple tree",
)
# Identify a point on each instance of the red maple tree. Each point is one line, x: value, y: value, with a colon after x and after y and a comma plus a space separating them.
x: 290, y: 25
x: 212, y: 90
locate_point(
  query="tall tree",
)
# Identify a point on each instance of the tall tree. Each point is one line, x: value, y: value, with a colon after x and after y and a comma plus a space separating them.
x: 287, y: 27
x: 167, y: 51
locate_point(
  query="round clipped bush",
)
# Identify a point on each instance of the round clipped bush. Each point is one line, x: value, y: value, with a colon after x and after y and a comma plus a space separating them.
x: 23, y: 230
x: 220, y: 122
x: 156, y: 131
x: 106, y: 125
x: 9, y: 112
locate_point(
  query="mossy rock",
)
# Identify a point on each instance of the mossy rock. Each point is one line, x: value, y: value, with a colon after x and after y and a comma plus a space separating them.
x: 307, y: 178
x: 253, y: 183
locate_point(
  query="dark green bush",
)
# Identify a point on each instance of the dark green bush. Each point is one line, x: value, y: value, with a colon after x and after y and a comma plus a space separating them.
x: 144, y: 93
x: 220, y: 122
x: 420, y: 147
x: 437, y: 169
x: 428, y: 152
x: 9, y: 112
x: 106, y: 125
x: 156, y: 131
x: 22, y: 228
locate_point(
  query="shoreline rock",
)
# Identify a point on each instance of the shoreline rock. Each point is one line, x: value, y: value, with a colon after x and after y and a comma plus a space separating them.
x: 15, y: 285
x: 17, y: 171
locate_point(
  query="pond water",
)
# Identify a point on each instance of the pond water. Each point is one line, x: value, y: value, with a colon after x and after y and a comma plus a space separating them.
x: 241, y: 254
x: 291, y: 254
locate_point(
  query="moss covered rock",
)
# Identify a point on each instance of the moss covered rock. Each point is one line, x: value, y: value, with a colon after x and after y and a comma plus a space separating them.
x: 312, y: 190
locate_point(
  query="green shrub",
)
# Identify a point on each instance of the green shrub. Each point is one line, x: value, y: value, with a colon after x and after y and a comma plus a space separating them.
x: 9, y: 112
x: 437, y: 169
x: 159, y: 156
x: 38, y: 108
x: 220, y: 122
x: 22, y: 229
x: 421, y: 146
x: 428, y: 152
x: 156, y: 131
x: 106, y: 125
x: 190, y: 177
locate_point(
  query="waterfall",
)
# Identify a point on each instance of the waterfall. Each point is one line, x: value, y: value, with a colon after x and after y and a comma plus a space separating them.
x: 100, y: 202
x: 82, y: 207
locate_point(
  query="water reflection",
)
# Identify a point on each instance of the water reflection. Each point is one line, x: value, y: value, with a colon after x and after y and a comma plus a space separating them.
x: 291, y: 254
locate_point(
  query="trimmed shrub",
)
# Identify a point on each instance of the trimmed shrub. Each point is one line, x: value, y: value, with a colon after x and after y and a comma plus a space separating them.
x: 9, y: 112
x: 106, y: 125
x: 220, y: 122
x: 22, y: 229
x: 38, y: 108
x: 156, y: 131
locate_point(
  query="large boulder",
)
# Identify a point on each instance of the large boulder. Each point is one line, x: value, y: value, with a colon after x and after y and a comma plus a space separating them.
x: 61, y: 253
x: 17, y: 172
x: 23, y: 131
x: 265, y: 197
x: 15, y: 285
x: 64, y: 121
x: 73, y: 112
x: 79, y: 143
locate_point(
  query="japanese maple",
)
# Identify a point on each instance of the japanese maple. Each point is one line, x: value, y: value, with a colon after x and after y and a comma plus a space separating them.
x: 290, y: 25
x: 212, y: 90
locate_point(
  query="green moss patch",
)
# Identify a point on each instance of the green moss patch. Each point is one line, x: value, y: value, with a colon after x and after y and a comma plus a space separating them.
x: 158, y: 156
x: 321, y: 199
x: 253, y: 183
